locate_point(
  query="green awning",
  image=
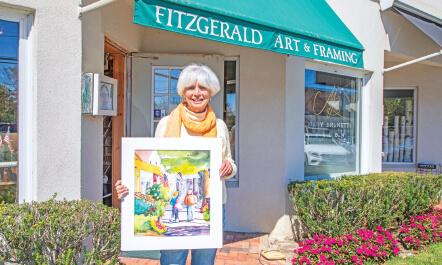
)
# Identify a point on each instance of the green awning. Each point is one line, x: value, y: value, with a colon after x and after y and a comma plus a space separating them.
x: 302, y: 28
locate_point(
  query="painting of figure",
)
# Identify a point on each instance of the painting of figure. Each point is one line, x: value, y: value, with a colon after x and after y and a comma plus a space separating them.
x: 167, y: 191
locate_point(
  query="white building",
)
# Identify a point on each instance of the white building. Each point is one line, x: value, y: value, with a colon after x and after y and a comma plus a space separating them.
x: 308, y: 103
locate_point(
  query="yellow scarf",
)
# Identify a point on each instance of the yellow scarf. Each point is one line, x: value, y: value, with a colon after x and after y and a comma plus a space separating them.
x: 179, y: 116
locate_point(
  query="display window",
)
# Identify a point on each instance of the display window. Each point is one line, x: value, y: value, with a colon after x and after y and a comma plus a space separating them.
x: 231, y: 105
x: 9, y: 40
x: 15, y: 105
x: 331, y: 128
x: 398, y: 132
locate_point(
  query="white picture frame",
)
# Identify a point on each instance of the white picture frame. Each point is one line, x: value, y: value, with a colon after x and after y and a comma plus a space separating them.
x: 105, y: 95
x: 137, y: 208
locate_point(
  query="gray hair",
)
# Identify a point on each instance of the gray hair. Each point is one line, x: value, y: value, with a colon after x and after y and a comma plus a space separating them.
x: 201, y: 73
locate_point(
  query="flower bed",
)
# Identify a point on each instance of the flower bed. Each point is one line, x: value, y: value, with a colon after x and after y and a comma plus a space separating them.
x: 367, y: 245
x: 356, y: 248
x: 422, y: 230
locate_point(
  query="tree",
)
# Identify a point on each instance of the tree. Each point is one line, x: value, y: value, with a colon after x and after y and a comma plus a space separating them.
x: 8, y: 94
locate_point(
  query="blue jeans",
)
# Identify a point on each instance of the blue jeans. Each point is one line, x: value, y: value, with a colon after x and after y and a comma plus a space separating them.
x: 199, y: 256
x: 190, y: 212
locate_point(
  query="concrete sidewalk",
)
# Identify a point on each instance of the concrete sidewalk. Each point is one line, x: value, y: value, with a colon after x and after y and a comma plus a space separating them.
x: 238, y: 249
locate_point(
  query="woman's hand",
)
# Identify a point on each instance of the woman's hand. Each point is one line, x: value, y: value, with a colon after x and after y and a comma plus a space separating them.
x: 122, y: 190
x: 225, y: 169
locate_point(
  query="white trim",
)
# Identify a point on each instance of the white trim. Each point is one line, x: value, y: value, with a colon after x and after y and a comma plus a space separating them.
x: 237, y: 88
x: 336, y: 69
x: 361, y: 162
x: 412, y: 61
x: 25, y: 94
x: 93, y: 6
x: 415, y: 124
x: 417, y: 12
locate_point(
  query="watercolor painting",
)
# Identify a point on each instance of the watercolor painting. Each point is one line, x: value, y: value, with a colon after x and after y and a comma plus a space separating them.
x: 174, y: 199
x: 171, y: 193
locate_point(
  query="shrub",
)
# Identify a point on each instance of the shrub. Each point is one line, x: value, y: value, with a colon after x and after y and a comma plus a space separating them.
x: 53, y: 232
x: 8, y: 194
x: 362, y: 201
x: 376, y: 246
x: 422, y: 230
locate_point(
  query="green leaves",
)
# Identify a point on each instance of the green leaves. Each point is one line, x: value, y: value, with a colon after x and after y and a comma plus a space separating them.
x: 363, y: 201
x: 53, y: 232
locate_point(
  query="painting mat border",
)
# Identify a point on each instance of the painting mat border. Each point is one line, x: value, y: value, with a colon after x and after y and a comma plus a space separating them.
x: 131, y: 242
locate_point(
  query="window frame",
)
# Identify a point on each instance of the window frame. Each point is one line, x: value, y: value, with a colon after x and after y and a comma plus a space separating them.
x: 152, y: 118
x: 415, y: 124
x: 25, y: 18
x: 234, y: 181
x: 361, y: 75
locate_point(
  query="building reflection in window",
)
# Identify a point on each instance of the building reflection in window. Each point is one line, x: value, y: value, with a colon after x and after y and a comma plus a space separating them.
x: 331, y: 133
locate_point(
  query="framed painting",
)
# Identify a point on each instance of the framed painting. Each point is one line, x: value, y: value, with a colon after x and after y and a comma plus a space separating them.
x: 175, y: 193
x: 99, y: 94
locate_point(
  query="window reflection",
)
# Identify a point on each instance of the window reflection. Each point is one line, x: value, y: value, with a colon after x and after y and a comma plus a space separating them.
x: 9, y: 37
x: 397, y: 134
x: 230, y: 103
x: 166, y: 97
x: 331, y: 125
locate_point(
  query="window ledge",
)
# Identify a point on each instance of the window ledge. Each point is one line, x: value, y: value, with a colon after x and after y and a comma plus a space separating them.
x: 232, y: 184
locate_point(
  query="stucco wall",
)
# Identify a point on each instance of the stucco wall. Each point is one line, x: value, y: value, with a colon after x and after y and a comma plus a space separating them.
x: 428, y: 80
x: 56, y: 69
x: 115, y: 22
x: 405, y: 38
x: 407, y: 42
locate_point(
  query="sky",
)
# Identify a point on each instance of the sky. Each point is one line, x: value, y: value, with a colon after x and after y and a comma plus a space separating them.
x: 9, y: 36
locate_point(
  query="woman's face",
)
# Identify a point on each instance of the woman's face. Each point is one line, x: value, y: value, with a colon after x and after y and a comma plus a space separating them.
x: 197, y: 97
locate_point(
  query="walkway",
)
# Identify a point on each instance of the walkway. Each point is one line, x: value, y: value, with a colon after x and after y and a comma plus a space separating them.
x: 238, y: 249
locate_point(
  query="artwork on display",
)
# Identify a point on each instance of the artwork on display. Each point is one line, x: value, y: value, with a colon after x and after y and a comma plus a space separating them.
x: 99, y: 94
x: 175, y: 193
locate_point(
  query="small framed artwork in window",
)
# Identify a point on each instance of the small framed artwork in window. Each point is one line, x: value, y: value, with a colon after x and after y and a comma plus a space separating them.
x: 99, y: 95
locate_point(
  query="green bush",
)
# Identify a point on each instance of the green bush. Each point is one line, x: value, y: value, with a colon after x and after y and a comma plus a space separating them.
x: 54, y: 232
x: 363, y: 201
x: 8, y: 194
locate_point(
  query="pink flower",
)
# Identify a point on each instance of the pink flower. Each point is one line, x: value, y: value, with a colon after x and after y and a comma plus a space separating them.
x: 396, y: 250
x: 301, y: 244
x: 345, y: 251
x: 380, y: 229
x: 359, y: 251
x: 316, y: 237
x: 413, y: 225
x: 354, y: 258
x: 333, y: 241
x: 340, y: 243
x: 337, y: 252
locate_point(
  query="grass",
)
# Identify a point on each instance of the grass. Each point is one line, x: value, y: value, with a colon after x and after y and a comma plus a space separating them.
x: 431, y: 255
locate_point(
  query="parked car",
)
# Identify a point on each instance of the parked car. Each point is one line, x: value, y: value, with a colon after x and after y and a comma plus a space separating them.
x: 322, y: 149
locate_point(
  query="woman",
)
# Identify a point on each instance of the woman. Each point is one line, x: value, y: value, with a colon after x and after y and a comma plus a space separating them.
x: 194, y: 117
